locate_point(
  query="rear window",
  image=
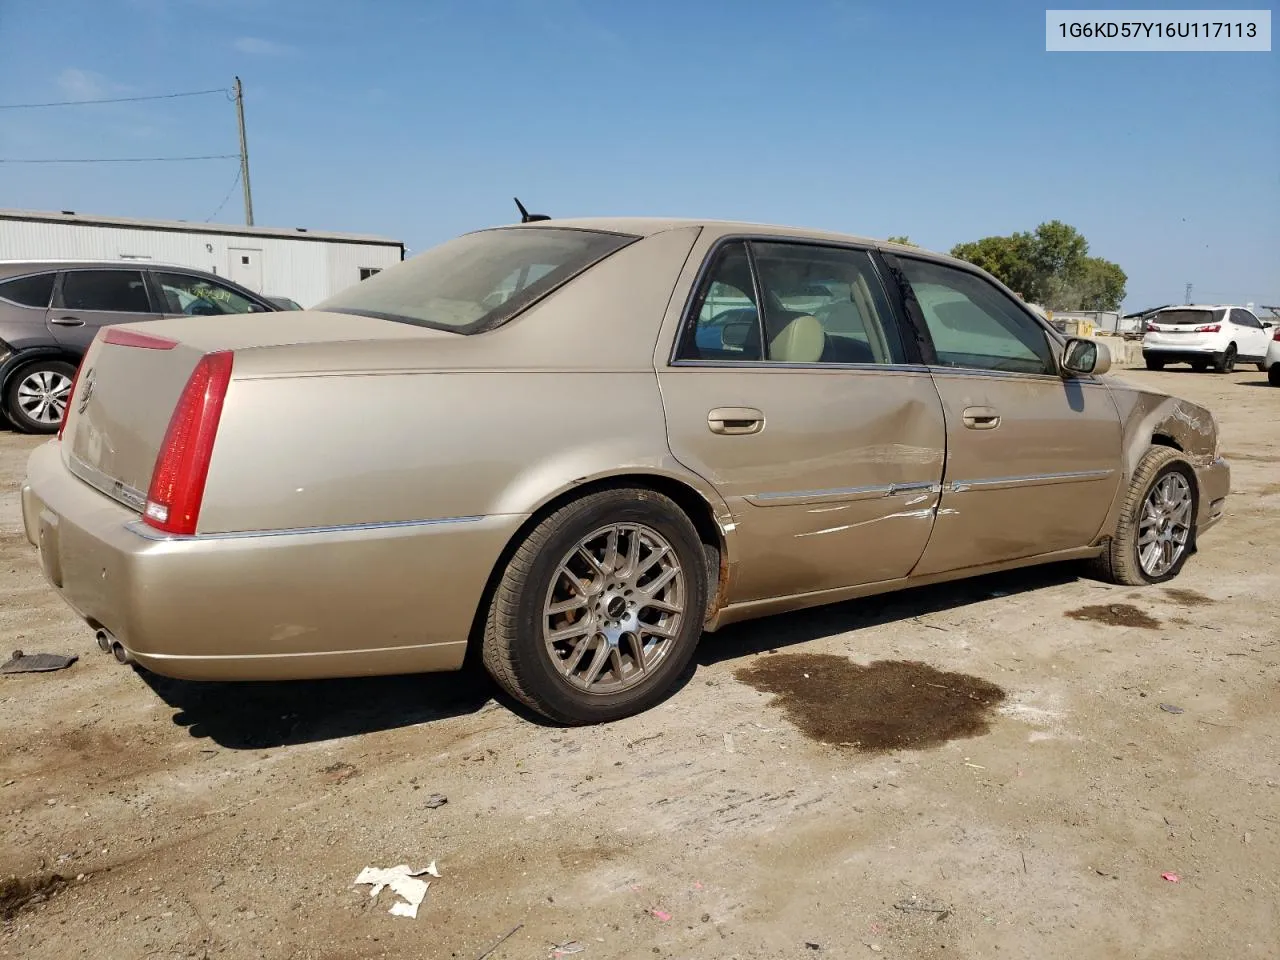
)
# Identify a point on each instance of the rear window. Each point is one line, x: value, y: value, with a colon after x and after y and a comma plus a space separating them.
x: 29, y: 291
x: 1192, y: 317
x: 479, y: 280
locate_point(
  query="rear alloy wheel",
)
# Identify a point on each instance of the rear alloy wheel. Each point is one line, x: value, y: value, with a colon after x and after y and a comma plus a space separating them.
x: 1156, y: 531
x: 1154, y: 364
x: 599, y: 609
x: 37, y: 395
x: 1227, y: 362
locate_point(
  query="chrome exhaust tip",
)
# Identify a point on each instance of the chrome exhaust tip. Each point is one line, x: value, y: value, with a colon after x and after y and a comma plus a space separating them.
x: 120, y: 653
x: 104, y: 640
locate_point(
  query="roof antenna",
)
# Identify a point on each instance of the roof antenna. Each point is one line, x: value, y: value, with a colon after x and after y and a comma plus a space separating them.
x: 526, y: 216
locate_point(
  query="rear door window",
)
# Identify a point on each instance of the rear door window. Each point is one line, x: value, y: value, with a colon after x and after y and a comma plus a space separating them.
x: 1245, y: 319
x: 824, y: 305
x: 33, y: 291
x: 113, y: 291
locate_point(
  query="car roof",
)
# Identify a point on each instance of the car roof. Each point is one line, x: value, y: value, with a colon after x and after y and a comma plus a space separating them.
x: 648, y: 226
x: 61, y: 264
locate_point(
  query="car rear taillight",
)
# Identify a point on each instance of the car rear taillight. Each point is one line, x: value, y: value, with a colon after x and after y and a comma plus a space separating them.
x: 1152, y: 328
x: 182, y: 466
x: 71, y: 395
x: 1209, y: 328
x: 1277, y: 336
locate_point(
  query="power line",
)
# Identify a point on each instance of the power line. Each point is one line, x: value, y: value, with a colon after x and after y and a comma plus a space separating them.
x: 212, y: 156
x: 226, y: 198
x: 80, y: 103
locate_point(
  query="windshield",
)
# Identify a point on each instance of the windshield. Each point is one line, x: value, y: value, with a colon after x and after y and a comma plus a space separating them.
x: 1192, y: 317
x: 479, y: 280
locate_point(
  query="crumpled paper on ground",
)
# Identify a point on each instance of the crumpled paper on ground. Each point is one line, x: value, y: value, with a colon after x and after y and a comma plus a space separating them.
x: 403, y: 881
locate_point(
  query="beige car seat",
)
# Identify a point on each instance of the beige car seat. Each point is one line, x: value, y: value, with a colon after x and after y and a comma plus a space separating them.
x: 803, y: 340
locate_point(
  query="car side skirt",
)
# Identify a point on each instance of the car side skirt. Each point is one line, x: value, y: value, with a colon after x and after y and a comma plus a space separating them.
x: 750, y: 610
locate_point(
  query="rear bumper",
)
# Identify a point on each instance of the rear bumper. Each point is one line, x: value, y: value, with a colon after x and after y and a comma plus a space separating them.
x: 1179, y: 354
x: 1214, y: 481
x: 350, y: 601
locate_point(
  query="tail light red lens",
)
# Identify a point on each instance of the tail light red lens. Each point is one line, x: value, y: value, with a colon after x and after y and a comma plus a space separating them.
x: 1151, y: 328
x: 1277, y: 335
x: 71, y: 395
x: 1209, y: 328
x: 182, y: 466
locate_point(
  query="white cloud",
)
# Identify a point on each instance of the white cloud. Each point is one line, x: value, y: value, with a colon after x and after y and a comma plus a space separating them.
x: 80, y: 84
x: 257, y: 46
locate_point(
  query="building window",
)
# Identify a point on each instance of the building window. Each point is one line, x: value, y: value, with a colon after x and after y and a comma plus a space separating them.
x: 367, y: 272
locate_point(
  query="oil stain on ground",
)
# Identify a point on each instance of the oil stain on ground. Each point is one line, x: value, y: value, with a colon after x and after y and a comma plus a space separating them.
x: 886, y: 705
x: 1115, y: 615
x: 1188, y: 598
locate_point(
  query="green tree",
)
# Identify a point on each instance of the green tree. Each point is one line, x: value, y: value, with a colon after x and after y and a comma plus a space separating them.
x: 1050, y: 266
x: 904, y: 240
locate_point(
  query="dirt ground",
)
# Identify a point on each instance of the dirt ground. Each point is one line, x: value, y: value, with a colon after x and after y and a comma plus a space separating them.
x: 1060, y: 745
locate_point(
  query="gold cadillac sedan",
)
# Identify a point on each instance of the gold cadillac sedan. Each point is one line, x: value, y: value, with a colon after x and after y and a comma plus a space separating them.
x: 578, y: 444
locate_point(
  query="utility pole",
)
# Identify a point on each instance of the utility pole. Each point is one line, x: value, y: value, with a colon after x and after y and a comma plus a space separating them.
x: 1187, y: 297
x: 244, y: 157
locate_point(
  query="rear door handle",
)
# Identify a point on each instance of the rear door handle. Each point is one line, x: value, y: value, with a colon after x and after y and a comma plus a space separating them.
x: 981, y: 418
x: 67, y: 321
x: 735, y: 421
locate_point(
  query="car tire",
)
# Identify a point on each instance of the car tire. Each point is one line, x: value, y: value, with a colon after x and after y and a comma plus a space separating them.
x: 1154, y: 364
x: 29, y: 390
x: 1226, y: 362
x: 1273, y: 375
x: 1120, y: 562
x: 555, y: 681
x: 1199, y: 366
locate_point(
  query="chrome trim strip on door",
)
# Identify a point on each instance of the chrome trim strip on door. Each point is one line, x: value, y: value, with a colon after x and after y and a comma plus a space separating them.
x: 840, y: 494
x: 1031, y: 480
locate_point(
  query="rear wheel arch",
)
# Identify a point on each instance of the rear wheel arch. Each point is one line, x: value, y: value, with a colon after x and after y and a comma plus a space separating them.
x: 693, y: 503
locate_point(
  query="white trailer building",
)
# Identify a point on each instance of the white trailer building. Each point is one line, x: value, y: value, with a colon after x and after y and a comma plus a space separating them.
x: 304, y: 265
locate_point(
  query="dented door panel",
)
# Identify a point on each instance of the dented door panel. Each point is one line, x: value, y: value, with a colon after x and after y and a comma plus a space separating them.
x: 1041, y: 480
x: 838, y: 485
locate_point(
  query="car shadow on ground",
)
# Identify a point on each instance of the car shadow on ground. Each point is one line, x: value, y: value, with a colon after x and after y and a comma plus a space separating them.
x: 784, y: 630
x: 255, y: 716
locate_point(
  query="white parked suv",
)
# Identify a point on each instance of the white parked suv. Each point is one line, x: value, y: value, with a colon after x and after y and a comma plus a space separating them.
x: 1205, y: 336
x: 1272, y: 363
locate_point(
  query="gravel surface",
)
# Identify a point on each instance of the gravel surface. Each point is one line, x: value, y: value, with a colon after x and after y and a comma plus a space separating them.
x: 748, y: 816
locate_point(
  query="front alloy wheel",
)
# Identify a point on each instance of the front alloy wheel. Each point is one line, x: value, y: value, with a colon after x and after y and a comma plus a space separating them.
x: 1164, y: 525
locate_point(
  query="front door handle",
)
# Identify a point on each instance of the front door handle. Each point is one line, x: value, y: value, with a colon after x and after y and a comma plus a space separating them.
x: 68, y: 321
x: 735, y: 421
x: 981, y: 418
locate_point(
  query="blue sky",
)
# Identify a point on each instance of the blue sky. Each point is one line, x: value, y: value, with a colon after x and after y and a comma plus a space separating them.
x: 419, y: 120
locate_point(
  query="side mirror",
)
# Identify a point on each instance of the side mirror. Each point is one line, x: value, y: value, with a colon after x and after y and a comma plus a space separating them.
x: 1084, y: 357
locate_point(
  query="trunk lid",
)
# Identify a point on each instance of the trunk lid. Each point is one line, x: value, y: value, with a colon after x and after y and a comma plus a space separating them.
x: 133, y: 374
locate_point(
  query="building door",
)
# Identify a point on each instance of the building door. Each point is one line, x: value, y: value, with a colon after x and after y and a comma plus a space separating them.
x: 244, y: 266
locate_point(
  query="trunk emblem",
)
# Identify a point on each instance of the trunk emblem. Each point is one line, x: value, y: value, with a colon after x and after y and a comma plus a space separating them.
x: 86, y: 391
